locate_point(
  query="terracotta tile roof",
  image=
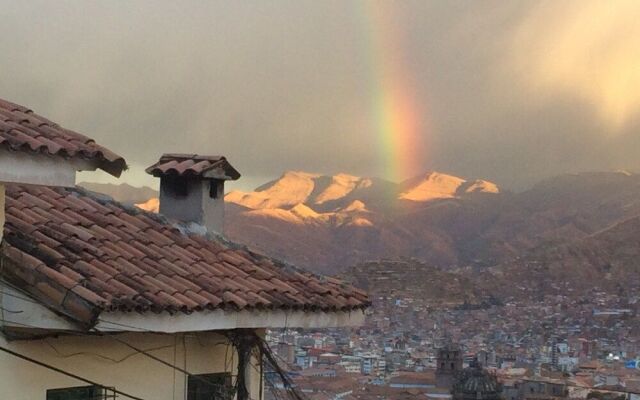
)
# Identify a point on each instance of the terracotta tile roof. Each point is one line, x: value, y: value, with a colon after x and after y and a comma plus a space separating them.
x: 194, y: 165
x: 23, y: 130
x: 81, y: 254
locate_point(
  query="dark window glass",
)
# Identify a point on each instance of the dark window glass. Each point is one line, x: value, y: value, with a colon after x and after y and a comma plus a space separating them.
x: 175, y: 186
x: 214, y: 189
x: 209, y: 387
x: 79, y: 393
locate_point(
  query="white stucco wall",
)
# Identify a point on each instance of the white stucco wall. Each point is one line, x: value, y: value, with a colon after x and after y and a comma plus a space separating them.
x: 136, y: 374
x: 196, y: 206
x: 223, y: 319
x: 38, y: 169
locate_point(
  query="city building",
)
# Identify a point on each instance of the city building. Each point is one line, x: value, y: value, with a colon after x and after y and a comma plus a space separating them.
x: 449, y: 364
x: 476, y: 383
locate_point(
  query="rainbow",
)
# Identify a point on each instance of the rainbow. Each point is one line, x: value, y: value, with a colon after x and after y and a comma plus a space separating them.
x: 397, y: 117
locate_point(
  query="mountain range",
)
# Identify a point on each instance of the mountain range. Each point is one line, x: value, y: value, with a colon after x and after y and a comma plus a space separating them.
x: 577, y: 226
x: 123, y: 192
x: 329, y: 222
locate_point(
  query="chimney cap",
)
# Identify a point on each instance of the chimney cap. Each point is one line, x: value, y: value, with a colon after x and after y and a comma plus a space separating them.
x: 212, y: 167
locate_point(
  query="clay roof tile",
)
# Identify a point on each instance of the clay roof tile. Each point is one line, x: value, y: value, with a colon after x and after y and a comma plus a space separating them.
x: 119, y: 259
x: 24, y: 131
x: 216, y: 167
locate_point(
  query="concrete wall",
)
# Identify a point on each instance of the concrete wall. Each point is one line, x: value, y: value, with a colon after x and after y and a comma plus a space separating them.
x: 197, y: 206
x: 183, y: 208
x: 35, y: 169
x: 213, y: 209
x: 113, y: 364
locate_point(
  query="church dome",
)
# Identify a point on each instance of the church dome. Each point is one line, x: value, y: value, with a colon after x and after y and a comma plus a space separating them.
x: 482, y: 383
x: 475, y: 383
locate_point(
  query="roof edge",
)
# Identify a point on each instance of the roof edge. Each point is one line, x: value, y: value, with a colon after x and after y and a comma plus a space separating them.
x: 211, y: 167
x: 68, y: 304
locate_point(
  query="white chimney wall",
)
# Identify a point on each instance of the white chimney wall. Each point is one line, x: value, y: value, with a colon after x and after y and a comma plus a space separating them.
x: 193, y: 199
x: 192, y: 188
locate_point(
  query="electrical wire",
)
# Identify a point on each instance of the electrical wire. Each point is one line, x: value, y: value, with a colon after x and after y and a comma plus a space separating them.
x: 161, y: 361
x: 137, y: 328
x: 261, y: 372
x: 137, y: 351
x: 113, y: 360
x: 262, y: 346
x: 69, y: 374
x: 5, y: 321
x: 10, y: 311
x: 18, y: 297
x: 184, y: 361
x: 175, y: 360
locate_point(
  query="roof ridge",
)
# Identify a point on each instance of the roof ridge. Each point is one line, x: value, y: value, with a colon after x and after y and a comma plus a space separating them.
x: 190, y: 156
x: 105, y: 199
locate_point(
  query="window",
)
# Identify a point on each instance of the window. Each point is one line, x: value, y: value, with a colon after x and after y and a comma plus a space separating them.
x: 175, y: 186
x: 210, y: 387
x: 215, y: 188
x: 81, y: 393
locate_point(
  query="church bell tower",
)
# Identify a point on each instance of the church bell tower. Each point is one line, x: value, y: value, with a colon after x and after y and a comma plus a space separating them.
x: 449, y: 365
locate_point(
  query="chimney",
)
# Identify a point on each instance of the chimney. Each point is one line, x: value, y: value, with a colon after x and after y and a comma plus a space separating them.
x: 192, y: 188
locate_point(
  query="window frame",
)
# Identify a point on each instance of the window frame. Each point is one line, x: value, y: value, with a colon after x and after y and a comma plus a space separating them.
x: 75, y: 393
x: 195, y: 385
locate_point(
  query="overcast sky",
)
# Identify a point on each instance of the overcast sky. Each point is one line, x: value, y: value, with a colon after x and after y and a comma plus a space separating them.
x: 507, y: 91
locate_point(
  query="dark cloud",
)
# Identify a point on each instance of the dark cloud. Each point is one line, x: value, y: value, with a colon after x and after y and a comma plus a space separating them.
x: 287, y: 84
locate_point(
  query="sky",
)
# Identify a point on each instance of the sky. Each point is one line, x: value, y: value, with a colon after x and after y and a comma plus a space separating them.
x: 512, y: 92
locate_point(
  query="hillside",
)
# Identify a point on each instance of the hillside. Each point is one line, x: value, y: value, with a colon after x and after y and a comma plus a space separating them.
x: 604, y: 261
x: 448, y: 223
x: 409, y: 278
x: 563, y: 208
x: 123, y: 192
x: 327, y: 223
